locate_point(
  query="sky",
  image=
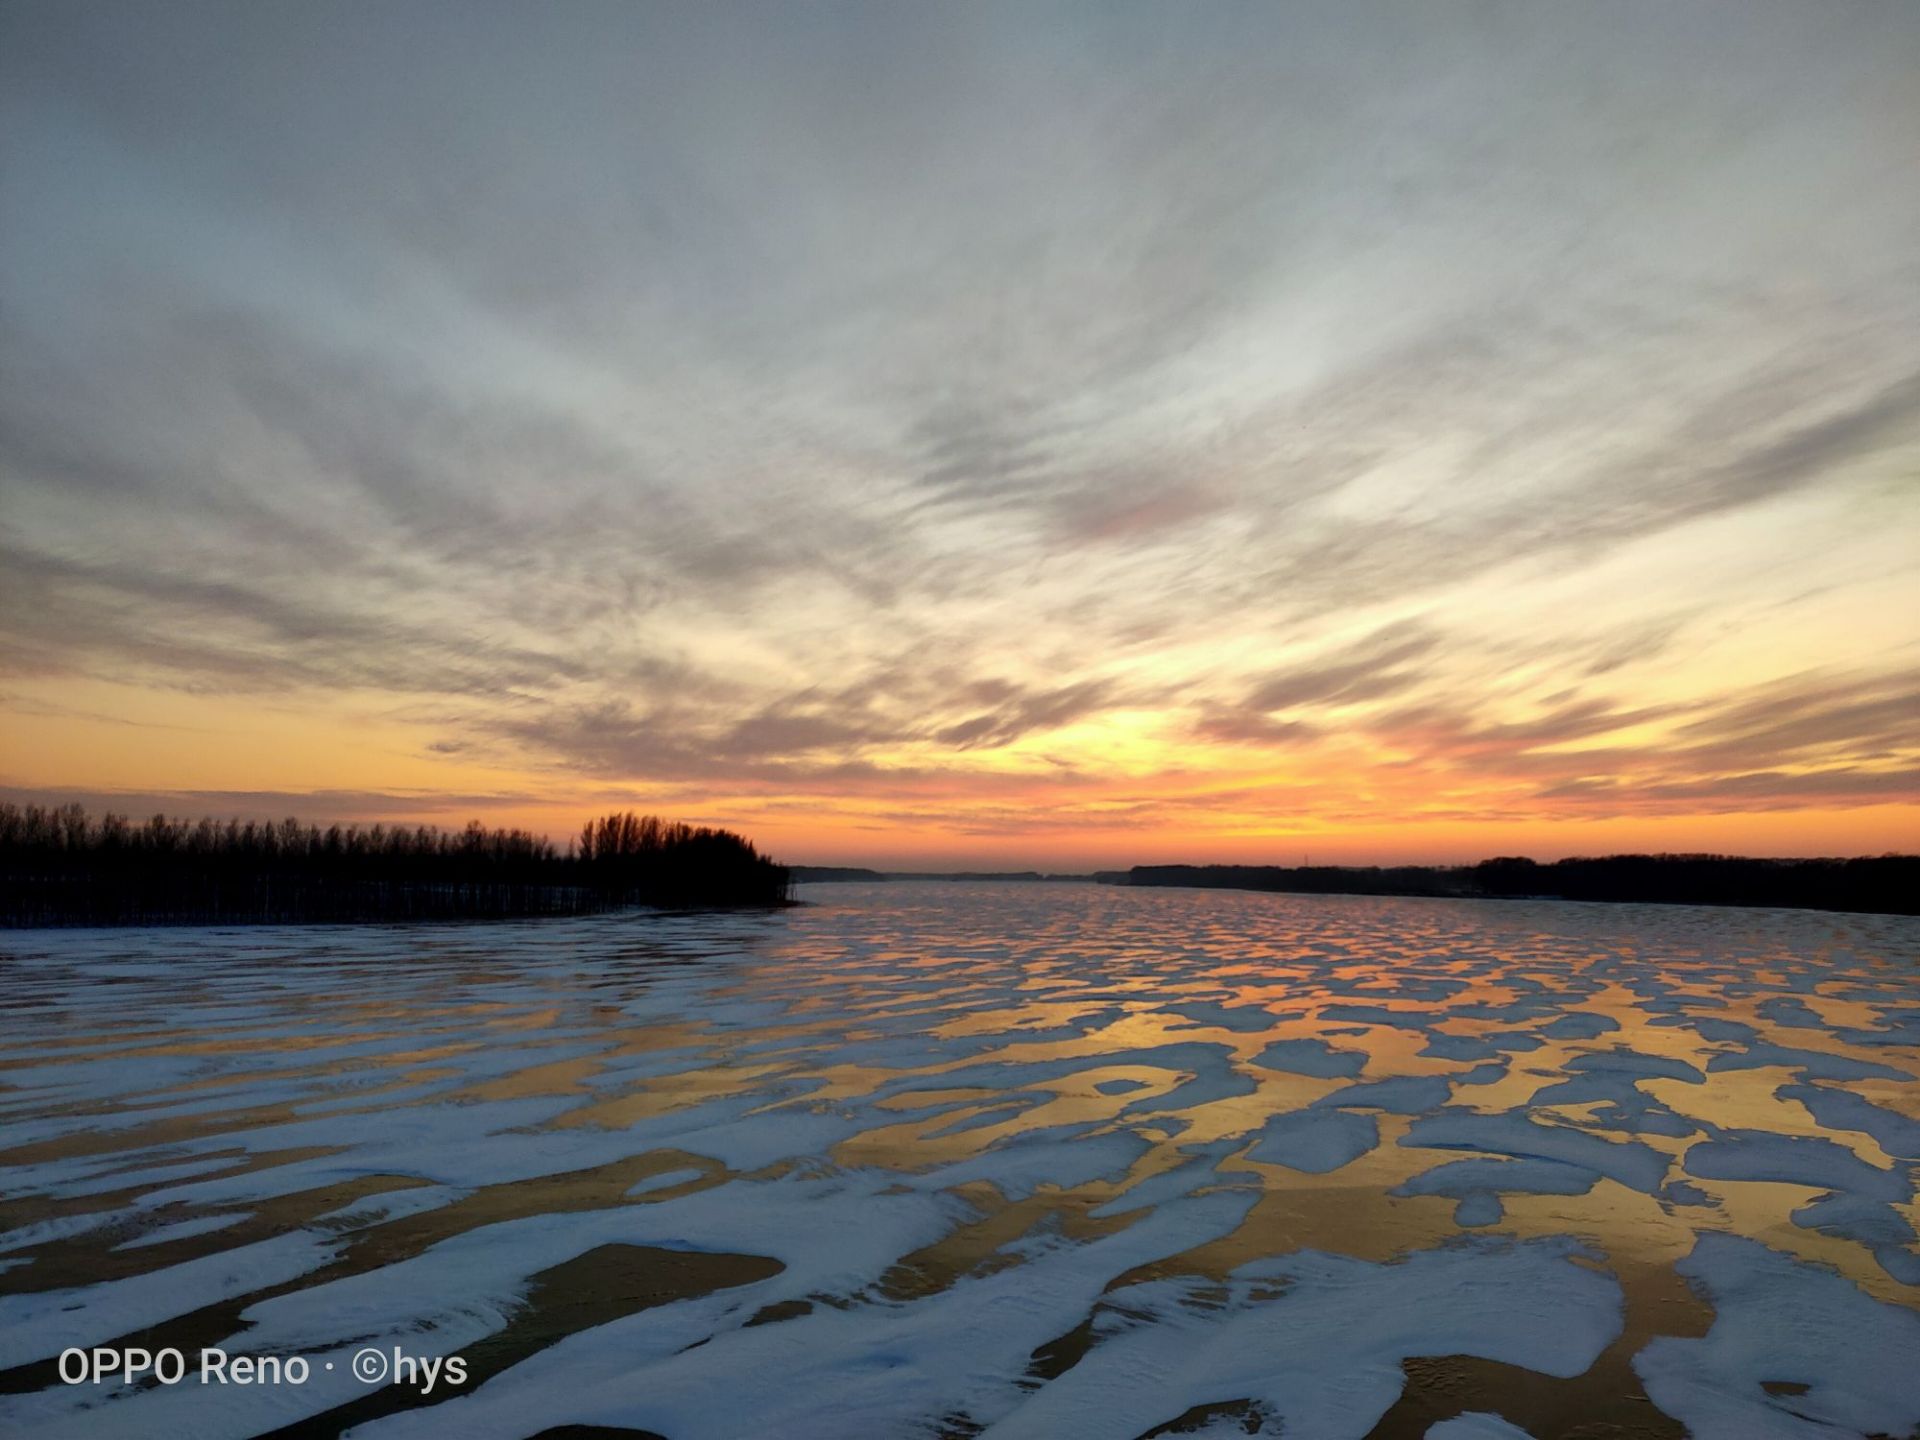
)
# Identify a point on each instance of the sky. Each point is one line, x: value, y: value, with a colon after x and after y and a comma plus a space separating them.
x: 1027, y: 435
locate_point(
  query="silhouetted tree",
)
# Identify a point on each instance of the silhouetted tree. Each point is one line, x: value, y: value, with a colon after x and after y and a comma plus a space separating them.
x: 1883, y: 884
x: 59, y: 866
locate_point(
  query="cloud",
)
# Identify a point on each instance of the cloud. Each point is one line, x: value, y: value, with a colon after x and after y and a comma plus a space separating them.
x: 1813, y: 449
x: 1232, y: 726
x: 813, y: 739
x: 1129, y: 510
x: 1022, y: 714
x: 71, y: 615
x: 1374, y: 667
x: 438, y: 807
x: 1751, y: 790
x: 1832, y: 739
x: 854, y: 400
x: 1809, y: 717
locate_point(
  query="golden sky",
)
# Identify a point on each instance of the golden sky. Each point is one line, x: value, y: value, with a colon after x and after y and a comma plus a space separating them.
x: 989, y: 437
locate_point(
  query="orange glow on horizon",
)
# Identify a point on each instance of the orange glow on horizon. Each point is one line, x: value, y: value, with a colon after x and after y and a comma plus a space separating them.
x: 1153, y: 799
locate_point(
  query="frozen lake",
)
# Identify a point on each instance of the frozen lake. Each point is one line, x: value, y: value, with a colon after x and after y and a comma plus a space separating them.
x: 1046, y: 1161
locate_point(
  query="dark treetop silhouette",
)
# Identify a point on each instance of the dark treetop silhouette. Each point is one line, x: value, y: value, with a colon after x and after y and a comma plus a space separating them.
x: 1883, y: 884
x: 60, y: 866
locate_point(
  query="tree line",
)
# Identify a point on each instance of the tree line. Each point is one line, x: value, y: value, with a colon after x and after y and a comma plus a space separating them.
x: 1875, y: 884
x: 59, y: 865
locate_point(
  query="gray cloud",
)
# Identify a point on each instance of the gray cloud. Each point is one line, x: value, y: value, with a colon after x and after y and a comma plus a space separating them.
x: 1233, y: 726
x: 1809, y: 717
x: 1020, y: 715
x: 1377, y: 666
x: 217, y: 634
x: 730, y: 392
x: 1767, y: 788
x: 324, y: 806
x: 1852, y: 736
x: 808, y: 738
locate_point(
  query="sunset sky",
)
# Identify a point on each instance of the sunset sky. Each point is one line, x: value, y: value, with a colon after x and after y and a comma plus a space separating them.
x: 971, y: 435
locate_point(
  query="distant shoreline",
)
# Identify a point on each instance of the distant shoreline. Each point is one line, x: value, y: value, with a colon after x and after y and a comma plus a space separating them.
x: 860, y: 875
x: 1867, y: 885
x: 60, y: 868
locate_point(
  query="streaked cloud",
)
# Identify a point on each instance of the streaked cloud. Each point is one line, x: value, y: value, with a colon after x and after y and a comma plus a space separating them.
x: 976, y: 422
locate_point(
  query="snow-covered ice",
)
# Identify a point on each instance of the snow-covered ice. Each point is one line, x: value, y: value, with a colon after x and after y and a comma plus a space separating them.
x: 1011, y: 1160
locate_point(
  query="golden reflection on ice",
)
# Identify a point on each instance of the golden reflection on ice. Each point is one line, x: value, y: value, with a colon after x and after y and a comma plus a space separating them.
x: 983, y: 1041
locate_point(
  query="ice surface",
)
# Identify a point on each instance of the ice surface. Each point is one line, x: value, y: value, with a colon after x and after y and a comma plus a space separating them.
x: 1478, y: 1184
x: 1311, y: 1057
x: 876, y: 1368
x: 1032, y: 1160
x: 40, y: 1324
x: 1783, y: 1321
x: 1810, y: 1064
x: 183, y: 1230
x: 1201, y: 1171
x: 1402, y: 1095
x: 1841, y: 1110
x: 1315, y: 1141
x: 666, y: 1180
x: 1476, y: 1425
x: 1628, y: 1161
x: 1317, y: 1340
x: 1797, y: 1160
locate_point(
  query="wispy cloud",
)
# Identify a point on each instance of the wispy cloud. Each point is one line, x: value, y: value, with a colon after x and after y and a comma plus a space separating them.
x: 920, y: 410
